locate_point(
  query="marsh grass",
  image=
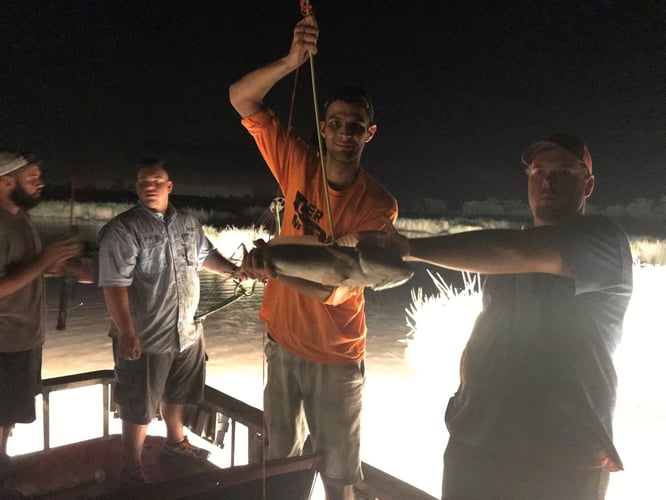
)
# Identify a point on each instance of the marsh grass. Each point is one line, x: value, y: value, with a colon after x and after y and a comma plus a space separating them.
x: 649, y: 251
x: 645, y: 249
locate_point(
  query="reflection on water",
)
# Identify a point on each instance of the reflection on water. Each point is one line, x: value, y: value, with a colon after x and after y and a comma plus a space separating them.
x: 53, y: 229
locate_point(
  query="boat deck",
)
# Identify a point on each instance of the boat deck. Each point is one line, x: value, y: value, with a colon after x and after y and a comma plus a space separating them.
x: 91, y: 469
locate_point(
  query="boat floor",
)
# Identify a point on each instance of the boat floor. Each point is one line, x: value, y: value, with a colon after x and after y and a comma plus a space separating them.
x: 91, y: 469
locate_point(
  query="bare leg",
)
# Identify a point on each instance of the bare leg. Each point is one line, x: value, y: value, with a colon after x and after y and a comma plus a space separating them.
x: 133, y: 437
x: 173, y: 415
x: 339, y: 492
x: 177, y: 444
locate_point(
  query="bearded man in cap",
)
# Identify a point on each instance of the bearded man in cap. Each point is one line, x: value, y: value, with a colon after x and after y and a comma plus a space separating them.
x: 532, y: 417
x: 23, y: 265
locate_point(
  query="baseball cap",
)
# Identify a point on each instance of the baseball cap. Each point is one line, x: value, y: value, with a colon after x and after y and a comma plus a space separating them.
x: 11, y: 159
x: 572, y: 145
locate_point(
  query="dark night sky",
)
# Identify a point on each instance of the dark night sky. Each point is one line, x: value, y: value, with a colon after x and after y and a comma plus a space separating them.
x: 460, y: 88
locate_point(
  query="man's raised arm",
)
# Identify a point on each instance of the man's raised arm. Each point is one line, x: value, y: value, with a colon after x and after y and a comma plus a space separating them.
x: 246, y: 95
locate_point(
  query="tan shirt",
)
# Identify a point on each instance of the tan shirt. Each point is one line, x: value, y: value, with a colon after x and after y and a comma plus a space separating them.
x: 22, y: 312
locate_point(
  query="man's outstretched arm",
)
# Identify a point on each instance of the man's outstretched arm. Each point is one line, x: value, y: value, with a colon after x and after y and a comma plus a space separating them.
x: 489, y: 251
x: 493, y: 251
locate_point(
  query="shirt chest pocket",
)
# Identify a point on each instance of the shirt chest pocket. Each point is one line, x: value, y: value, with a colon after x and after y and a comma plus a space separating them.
x: 152, y: 256
x: 186, y: 246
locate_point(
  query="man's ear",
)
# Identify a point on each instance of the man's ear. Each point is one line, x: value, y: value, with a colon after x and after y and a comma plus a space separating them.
x: 372, y: 130
x: 322, y: 127
x: 170, y: 186
x: 589, y: 186
x: 7, y: 181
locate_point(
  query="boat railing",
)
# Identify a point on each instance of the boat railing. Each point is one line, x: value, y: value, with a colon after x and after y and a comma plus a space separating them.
x: 204, y: 420
x: 105, y: 378
x: 211, y: 420
x: 218, y: 414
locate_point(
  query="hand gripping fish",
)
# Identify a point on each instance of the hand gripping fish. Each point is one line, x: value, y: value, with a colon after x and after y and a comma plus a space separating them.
x: 365, y: 264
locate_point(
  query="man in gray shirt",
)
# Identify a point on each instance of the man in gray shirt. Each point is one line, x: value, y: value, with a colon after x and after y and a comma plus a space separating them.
x: 149, y: 262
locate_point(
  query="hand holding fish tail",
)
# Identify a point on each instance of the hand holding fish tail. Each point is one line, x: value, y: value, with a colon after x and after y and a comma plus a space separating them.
x: 255, y: 265
x: 239, y: 275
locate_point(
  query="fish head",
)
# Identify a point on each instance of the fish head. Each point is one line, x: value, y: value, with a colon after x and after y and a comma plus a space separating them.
x: 382, y: 265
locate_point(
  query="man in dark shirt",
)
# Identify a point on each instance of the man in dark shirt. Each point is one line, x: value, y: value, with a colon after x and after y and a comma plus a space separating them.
x: 532, y: 418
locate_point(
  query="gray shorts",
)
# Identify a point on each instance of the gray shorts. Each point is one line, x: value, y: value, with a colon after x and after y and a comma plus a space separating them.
x: 324, y: 398
x: 173, y: 378
x: 21, y: 381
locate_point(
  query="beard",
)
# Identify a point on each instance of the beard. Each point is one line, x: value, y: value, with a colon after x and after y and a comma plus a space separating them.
x: 548, y: 213
x: 552, y: 213
x: 23, y: 199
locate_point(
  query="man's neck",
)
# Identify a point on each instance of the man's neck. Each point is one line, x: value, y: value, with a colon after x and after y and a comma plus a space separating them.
x: 341, y: 175
x: 157, y: 210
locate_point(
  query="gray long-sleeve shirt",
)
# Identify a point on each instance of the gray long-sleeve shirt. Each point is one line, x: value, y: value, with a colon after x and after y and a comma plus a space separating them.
x: 158, y: 258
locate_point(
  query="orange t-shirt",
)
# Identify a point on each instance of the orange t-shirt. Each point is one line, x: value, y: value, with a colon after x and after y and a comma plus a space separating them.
x: 308, y: 328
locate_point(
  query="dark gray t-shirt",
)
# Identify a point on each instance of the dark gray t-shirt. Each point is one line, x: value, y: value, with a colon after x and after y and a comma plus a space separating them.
x: 538, y: 377
x: 22, y: 312
x: 158, y: 259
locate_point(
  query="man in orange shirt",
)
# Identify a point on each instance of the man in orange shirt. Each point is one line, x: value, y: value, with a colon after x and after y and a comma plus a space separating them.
x: 316, y: 334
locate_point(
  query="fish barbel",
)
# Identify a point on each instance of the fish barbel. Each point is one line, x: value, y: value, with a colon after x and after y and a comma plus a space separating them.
x: 367, y: 264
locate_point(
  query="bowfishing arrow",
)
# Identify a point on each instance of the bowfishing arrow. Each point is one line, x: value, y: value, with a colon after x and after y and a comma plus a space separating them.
x: 68, y: 282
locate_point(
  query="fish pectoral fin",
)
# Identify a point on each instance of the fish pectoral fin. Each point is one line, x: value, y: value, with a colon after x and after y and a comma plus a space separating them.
x: 389, y: 283
x: 385, y: 271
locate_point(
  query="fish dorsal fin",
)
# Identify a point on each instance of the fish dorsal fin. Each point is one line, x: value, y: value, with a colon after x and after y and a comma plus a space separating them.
x: 349, y: 240
x: 306, y: 239
x: 350, y: 259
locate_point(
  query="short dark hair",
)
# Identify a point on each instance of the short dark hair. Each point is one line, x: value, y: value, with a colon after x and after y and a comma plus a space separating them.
x: 149, y: 162
x: 352, y: 95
